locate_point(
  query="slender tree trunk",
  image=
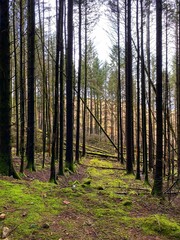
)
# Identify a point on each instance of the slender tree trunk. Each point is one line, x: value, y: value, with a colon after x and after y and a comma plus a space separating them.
x: 69, y: 92
x: 149, y: 90
x: 85, y: 86
x: 129, y: 94
x: 105, y: 114
x: 61, y: 127
x: 16, y: 78
x: 178, y: 93
x: 112, y: 121
x: 119, y: 106
x: 49, y: 103
x: 138, y: 97
x: 158, y: 181
x: 143, y: 100
x: 56, y: 95
x: 91, y: 107
x: 22, y: 88
x: 79, y: 86
x: 31, y: 83
x: 6, y: 167
x: 166, y: 110
x: 44, y: 83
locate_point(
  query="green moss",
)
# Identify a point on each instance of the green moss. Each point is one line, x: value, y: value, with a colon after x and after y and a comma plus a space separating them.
x: 127, y: 203
x: 87, y: 181
x: 27, y: 204
x: 101, y: 212
x: 95, y: 162
x: 161, y: 225
x: 107, y: 211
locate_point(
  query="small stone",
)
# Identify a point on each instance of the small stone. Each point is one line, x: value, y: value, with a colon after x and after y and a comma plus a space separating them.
x: 2, y: 216
x: 5, y: 232
x: 45, y: 225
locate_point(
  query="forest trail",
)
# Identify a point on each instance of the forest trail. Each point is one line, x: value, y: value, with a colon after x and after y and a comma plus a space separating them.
x: 98, y: 201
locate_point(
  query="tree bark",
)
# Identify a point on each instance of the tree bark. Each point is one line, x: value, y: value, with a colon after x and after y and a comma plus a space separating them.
x: 69, y: 92
x: 129, y: 94
x: 79, y: 85
x: 6, y: 167
x: 31, y: 81
x: 158, y: 181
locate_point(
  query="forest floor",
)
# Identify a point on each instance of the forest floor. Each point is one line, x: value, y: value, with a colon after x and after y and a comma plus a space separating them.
x: 98, y: 201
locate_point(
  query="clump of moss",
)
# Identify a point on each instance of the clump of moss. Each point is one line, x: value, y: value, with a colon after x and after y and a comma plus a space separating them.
x: 161, y: 225
x: 87, y: 181
x: 127, y: 203
x: 95, y: 162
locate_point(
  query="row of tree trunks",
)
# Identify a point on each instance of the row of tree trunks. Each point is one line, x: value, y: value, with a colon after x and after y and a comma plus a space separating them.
x: 51, y: 84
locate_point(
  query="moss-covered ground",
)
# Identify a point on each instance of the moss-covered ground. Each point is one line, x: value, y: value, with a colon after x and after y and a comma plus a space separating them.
x: 99, y: 201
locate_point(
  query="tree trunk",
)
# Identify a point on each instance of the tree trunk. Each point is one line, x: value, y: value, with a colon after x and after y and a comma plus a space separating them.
x: 61, y: 127
x: 31, y: 77
x: 69, y: 88
x: 149, y: 90
x: 22, y: 89
x: 158, y: 181
x: 178, y: 94
x: 6, y: 167
x: 16, y: 78
x: 143, y: 100
x: 79, y: 86
x: 138, y: 97
x: 129, y: 94
x: 56, y: 95
x: 85, y: 85
x: 119, y: 106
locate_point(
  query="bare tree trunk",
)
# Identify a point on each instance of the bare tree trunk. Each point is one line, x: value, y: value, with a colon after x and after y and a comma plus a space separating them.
x: 79, y: 85
x: 16, y: 78
x: 22, y: 88
x: 69, y: 93
x: 138, y: 97
x: 61, y: 127
x: 129, y: 94
x: 143, y: 101
x: 6, y: 167
x: 178, y: 94
x: 149, y: 90
x: 158, y: 181
x: 31, y: 83
x: 85, y: 86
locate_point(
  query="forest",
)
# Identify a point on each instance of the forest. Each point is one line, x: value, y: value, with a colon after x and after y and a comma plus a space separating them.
x: 89, y: 145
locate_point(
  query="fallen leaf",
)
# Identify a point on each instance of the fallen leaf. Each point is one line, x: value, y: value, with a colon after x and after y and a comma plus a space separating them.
x: 66, y: 202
